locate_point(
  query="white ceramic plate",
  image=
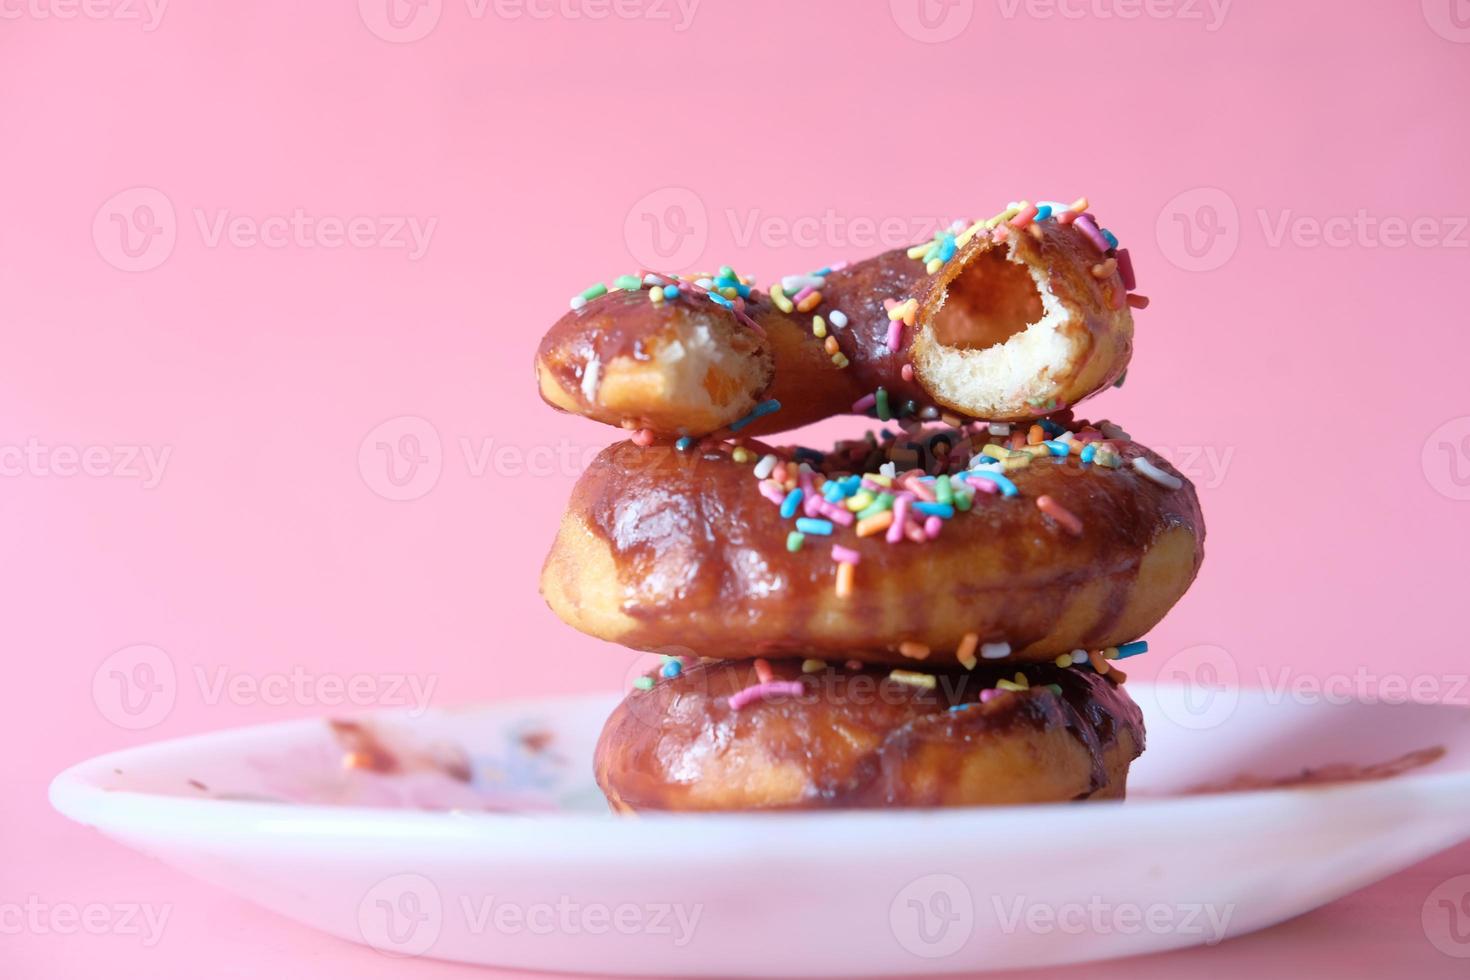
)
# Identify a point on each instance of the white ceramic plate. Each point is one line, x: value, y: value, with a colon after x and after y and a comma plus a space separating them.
x: 490, y: 844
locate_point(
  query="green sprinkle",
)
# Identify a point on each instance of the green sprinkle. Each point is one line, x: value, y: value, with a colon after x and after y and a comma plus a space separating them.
x: 882, y: 398
x: 943, y: 491
x: 593, y: 291
x: 1054, y: 688
x: 794, y: 540
x: 962, y: 501
x: 726, y: 273
x: 884, y: 502
x: 628, y: 282
x: 643, y: 683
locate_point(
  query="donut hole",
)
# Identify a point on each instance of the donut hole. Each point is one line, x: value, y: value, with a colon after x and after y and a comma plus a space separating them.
x: 990, y: 301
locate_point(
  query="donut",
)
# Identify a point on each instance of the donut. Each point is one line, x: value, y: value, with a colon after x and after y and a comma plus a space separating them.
x: 1008, y: 319
x: 935, y: 544
x: 752, y: 735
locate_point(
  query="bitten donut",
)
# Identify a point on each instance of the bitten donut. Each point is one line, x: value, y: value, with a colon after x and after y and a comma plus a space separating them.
x: 743, y: 735
x: 936, y: 544
x: 1011, y: 318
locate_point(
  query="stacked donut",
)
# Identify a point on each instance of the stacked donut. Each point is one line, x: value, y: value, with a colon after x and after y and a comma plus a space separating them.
x: 928, y: 615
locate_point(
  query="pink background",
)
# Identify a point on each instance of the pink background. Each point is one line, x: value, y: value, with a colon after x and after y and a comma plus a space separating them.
x: 1317, y: 387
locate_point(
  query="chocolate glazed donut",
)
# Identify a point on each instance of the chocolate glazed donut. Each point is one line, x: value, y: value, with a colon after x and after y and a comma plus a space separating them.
x: 1016, y: 317
x: 859, y: 738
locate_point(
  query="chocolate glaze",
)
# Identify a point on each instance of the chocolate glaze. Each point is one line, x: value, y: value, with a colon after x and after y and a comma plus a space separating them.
x: 860, y: 739
x: 701, y: 560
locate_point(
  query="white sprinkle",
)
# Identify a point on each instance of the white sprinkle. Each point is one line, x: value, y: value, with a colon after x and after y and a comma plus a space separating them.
x: 795, y: 284
x: 578, y: 302
x: 589, y: 379
x: 765, y: 466
x: 889, y: 470
x: 995, y: 651
x: 1000, y: 428
x: 1079, y: 657
x: 651, y: 279
x: 838, y: 318
x: 1157, y: 475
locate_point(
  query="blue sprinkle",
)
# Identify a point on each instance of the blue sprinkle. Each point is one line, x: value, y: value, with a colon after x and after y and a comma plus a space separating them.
x: 672, y: 668
x: 1057, y: 448
x: 1089, y: 451
x: 962, y: 707
x: 684, y: 444
x: 1007, y: 488
x: 945, y: 511
x: 810, y: 455
x: 792, y: 501
x: 764, y: 408
x: 947, y: 250
x: 671, y: 292
x: 1050, y: 427
x: 813, y: 525
x: 1110, y: 238
x: 832, y: 490
x: 716, y: 297
x: 1043, y: 211
x: 1133, y: 649
x: 825, y: 270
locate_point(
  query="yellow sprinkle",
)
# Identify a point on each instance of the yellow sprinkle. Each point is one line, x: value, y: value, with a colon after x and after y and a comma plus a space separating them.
x: 932, y: 266
x: 844, y: 579
x: 861, y: 500
x: 656, y: 294
x: 1111, y: 653
x: 819, y: 327
x: 914, y: 651
x: 741, y: 455
x: 1008, y: 686
x: 914, y: 678
x: 879, y: 478
x: 1079, y: 205
x: 1065, y: 660
x: 840, y: 360
x: 778, y: 296
x: 729, y: 292
x: 966, y: 652
x: 917, y: 251
x: 1022, y: 681
x: 813, y: 666
x: 811, y: 302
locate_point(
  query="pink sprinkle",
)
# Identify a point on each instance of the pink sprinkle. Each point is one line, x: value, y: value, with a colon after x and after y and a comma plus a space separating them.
x: 759, y: 692
x: 838, y: 267
x: 982, y: 484
x: 779, y: 473
x: 864, y: 403
x: 837, y: 515
x: 872, y: 487
x: 1089, y: 228
x: 920, y: 489
x: 811, y: 504
x: 900, y: 515
x: 932, y: 526
x: 643, y: 437
x: 772, y: 492
x: 807, y: 291
x: 907, y: 372
x: 763, y: 670
x: 1125, y: 269
x: 1025, y: 217
x: 1066, y: 217
x: 915, y: 532
x: 841, y: 554
x: 988, y: 693
x: 895, y: 334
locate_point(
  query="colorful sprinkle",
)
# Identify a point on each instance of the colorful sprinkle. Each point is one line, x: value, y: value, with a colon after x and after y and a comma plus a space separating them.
x: 845, y: 573
x: 965, y: 654
x: 1161, y: 477
x: 1070, y: 521
x: 913, y: 678
x: 914, y: 651
x: 760, y: 692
